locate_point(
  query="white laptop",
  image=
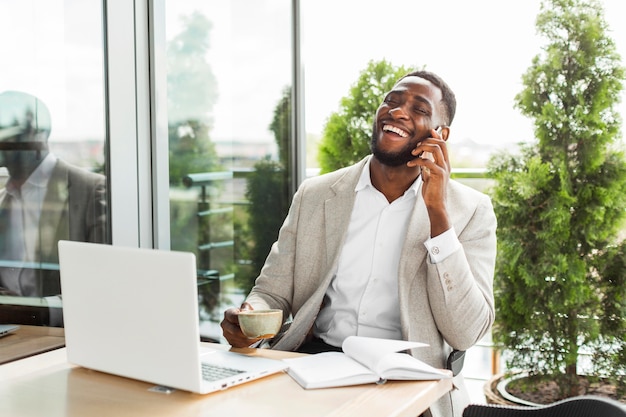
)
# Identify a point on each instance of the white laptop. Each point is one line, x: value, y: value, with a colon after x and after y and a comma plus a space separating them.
x: 134, y: 313
x: 6, y: 329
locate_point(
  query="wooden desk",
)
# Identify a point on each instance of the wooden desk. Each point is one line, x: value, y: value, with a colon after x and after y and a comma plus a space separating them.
x: 46, y: 385
x: 30, y: 340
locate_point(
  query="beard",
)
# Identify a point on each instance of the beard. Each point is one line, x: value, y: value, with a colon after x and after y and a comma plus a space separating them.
x: 392, y: 159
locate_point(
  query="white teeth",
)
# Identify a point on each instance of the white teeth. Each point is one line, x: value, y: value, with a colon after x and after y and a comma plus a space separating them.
x: 395, y: 130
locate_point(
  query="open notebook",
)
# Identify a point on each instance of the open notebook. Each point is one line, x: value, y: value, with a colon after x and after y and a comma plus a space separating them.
x: 134, y: 313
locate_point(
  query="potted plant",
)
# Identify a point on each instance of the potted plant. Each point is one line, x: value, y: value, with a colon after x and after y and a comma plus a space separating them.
x: 560, y: 280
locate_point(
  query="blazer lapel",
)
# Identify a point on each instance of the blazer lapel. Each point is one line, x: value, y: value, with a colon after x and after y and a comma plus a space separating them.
x: 337, y: 212
x: 338, y: 209
x: 336, y: 219
x: 4, y: 220
x: 54, y: 208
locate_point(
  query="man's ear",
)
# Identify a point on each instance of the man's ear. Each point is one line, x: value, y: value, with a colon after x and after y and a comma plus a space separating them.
x: 445, y: 132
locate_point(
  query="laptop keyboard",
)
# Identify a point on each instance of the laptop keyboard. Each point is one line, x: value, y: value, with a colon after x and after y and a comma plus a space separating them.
x: 214, y: 373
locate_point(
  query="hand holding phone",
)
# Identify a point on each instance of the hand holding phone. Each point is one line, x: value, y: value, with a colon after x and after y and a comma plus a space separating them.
x: 429, y: 155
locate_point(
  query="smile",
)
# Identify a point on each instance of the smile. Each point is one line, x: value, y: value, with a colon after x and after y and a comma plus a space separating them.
x: 396, y: 130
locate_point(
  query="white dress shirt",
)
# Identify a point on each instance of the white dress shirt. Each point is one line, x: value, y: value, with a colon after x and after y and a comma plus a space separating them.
x: 26, y: 205
x: 362, y: 298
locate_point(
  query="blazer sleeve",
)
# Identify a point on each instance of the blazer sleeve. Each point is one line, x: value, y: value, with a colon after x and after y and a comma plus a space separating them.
x: 460, y: 288
x: 274, y: 286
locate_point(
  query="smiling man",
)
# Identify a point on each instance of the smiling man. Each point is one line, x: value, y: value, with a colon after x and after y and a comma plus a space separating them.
x: 390, y: 247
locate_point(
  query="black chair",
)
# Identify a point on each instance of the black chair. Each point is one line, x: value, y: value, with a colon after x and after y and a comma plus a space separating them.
x: 582, y: 406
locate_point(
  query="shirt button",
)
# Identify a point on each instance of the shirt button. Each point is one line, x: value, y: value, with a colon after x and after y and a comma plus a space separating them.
x: 449, y: 287
x: 435, y: 250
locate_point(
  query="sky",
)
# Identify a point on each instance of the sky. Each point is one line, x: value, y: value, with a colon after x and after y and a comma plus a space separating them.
x: 481, y: 48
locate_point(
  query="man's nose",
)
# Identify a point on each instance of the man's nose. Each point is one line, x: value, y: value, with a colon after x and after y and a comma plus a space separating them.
x: 397, y: 112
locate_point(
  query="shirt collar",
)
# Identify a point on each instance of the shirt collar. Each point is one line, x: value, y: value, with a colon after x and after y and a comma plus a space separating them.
x: 41, y: 175
x: 365, y: 180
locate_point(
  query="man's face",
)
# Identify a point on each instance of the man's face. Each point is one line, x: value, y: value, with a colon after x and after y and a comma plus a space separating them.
x: 405, y: 117
x: 23, y: 118
x: 14, y: 159
x: 7, y: 156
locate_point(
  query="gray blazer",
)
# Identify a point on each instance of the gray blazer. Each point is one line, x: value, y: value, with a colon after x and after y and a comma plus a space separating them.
x: 448, y: 305
x: 74, y: 208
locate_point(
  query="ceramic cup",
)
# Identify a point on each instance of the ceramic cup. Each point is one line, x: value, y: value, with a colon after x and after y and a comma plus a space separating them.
x: 260, y: 323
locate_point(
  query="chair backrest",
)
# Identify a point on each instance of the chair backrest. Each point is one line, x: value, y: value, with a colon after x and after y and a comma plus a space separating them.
x: 582, y: 406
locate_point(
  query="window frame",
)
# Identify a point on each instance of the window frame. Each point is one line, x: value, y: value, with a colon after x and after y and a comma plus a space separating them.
x: 136, y: 120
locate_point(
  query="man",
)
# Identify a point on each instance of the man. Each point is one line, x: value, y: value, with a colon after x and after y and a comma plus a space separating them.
x: 389, y: 247
x: 45, y: 200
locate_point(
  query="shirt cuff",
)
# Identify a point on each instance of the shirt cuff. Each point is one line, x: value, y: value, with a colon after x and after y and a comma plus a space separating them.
x: 442, y: 246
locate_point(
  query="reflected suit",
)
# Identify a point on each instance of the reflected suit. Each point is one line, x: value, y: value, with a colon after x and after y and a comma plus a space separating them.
x: 74, y: 208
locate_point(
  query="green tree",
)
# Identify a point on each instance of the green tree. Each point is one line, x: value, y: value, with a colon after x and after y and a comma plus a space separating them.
x: 191, y: 150
x: 281, y: 127
x: 191, y: 94
x: 267, y: 191
x: 347, y: 133
x: 560, y: 205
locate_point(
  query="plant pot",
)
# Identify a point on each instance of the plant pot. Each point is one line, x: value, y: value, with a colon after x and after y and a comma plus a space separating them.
x: 496, y: 393
x: 499, y: 395
x: 492, y: 396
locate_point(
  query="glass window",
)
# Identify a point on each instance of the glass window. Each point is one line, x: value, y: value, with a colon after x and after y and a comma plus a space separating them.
x: 52, y: 141
x: 229, y: 87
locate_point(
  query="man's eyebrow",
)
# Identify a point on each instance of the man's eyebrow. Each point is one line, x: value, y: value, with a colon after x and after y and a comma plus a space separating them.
x: 423, y: 99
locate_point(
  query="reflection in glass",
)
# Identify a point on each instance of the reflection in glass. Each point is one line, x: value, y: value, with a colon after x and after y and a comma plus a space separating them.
x: 45, y: 200
x: 52, y: 132
x: 229, y: 78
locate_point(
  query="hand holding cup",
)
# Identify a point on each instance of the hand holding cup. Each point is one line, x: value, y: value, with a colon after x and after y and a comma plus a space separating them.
x: 260, y: 324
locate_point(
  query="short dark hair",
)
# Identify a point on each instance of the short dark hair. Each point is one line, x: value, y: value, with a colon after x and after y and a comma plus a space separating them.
x: 447, y: 95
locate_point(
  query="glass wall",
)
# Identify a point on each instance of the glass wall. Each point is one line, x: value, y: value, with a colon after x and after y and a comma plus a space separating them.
x: 52, y: 134
x: 229, y: 89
